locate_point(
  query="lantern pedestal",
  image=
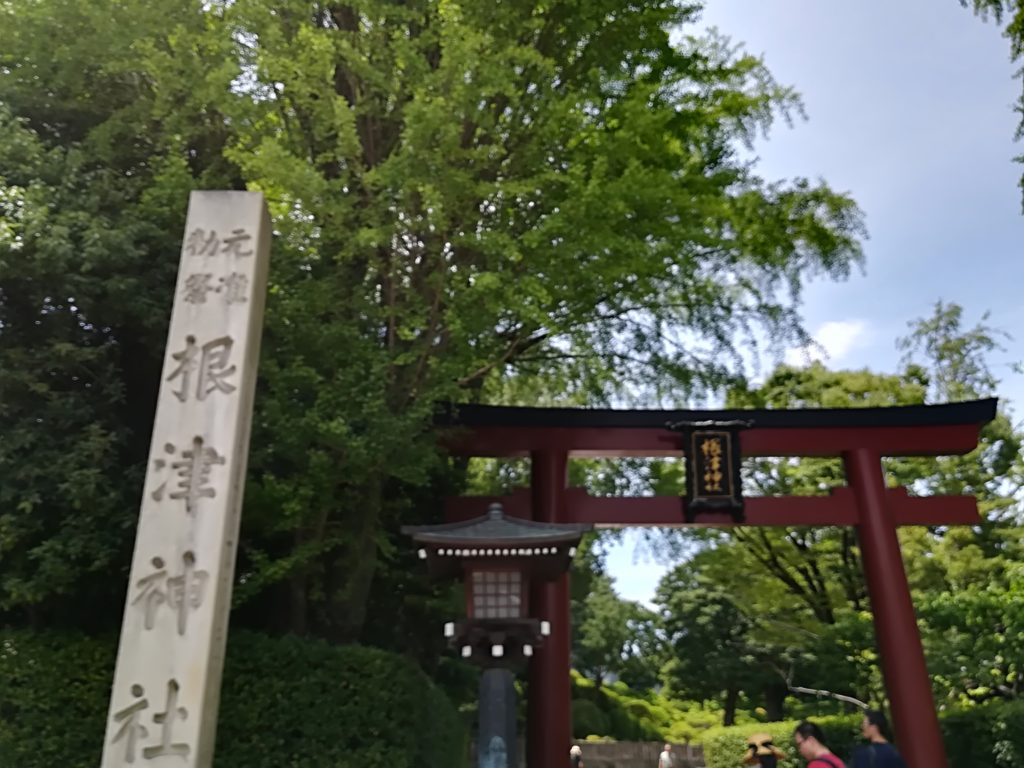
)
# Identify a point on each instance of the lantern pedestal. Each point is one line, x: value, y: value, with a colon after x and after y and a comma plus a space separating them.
x: 499, y: 646
x: 496, y: 740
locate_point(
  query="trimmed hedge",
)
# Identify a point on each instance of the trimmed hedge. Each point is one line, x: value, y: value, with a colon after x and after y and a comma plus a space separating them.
x: 988, y: 736
x: 724, y: 747
x: 54, y: 693
x: 617, y: 712
x: 588, y: 719
x: 286, y: 702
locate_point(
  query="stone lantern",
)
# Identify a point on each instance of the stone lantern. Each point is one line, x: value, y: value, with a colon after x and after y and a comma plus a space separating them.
x: 498, y: 559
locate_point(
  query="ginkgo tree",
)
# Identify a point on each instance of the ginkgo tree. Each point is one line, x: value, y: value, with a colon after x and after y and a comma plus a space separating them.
x: 461, y: 191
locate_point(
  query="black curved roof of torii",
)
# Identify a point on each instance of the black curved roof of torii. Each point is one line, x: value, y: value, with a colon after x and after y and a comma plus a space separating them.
x: 968, y: 412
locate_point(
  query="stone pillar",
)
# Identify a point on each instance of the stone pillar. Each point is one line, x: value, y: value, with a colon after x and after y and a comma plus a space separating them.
x: 899, y: 643
x: 549, y: 696
x: 496, y: 742
x: 167, y: 682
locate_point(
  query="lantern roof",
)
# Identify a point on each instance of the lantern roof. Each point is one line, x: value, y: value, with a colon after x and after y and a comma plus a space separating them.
x: 540, y: 550
x: 496, y: 530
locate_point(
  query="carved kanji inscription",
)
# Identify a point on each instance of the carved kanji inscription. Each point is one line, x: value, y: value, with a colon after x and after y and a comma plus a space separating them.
x: 181, y: 593
x: 131, y: 729
x: 206, y: 366
x: 192, y: 473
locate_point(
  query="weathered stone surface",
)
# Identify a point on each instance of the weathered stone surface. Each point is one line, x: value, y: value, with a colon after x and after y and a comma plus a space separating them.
x: 497, y: 713
x: 163, y: 707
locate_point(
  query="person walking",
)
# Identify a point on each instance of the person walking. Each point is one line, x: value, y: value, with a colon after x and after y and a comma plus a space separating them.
x: 665, y: 758
x: 878, y: 752
x: 575, y: 756
x: 762, y: 751
x: 810, y: 743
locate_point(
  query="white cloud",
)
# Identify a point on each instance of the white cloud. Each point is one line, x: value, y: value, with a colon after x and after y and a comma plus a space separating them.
x: 834, y: 340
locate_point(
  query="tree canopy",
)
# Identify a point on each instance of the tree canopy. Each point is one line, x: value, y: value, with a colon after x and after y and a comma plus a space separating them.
x: 1011, y: 14
x: 792, y: 605
x: 465, y: 195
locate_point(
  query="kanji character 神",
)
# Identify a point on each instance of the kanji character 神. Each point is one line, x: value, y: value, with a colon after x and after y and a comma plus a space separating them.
x: 180, y: 593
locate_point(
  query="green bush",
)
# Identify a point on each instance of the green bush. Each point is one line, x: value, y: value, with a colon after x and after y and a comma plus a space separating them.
x: 588, y: 719
x: 630, y: 718
x: 54, y: 692
x: 286, y: 703
x: 988, y: 736
x: 688, y: 724
x: 631, y: 715
x: 991, y: 735
x: 725, y: 746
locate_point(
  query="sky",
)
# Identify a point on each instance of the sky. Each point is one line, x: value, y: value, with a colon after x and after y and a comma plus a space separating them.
x: 909, y: 109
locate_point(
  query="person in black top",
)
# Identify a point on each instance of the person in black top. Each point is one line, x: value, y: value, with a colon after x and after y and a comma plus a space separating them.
x: 878, y: 752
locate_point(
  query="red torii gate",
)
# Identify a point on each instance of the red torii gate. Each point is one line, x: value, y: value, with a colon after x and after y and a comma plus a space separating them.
x: 860, y: 436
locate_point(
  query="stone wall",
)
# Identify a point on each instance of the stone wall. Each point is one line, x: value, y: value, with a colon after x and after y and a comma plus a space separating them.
x: 621, y: 754
x: 634, y: 754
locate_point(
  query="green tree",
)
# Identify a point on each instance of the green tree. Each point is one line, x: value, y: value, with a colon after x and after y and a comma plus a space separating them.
x: 957, y: 364
x: 1012, y: 13
x: 819, y: 567
x: 614, y: 637
x: 811, y: 585
x: 709, y: 640
x: 975, y: 640
x: 944, y: 362
x: 461, y: 192
x: 89, y: 200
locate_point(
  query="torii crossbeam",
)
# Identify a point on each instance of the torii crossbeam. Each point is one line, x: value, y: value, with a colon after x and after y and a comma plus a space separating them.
x: 859, y: 436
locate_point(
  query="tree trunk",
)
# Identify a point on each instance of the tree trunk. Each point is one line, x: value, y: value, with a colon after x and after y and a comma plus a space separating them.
x: 299, y: 582
x: 352, y: 571
x: 732, y: 696
x: 775, y: 702
x: 298, y: 603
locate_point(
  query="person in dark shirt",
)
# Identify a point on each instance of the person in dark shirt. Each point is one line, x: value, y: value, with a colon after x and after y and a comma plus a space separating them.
x: 878, y: 752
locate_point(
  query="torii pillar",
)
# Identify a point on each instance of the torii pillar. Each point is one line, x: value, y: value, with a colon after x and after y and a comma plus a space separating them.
x: 899, y: 642
x: 549, y: 695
